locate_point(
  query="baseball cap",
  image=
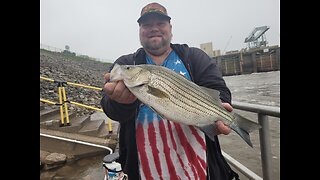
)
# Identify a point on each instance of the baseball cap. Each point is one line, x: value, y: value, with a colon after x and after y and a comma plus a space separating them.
x: 153, y: 8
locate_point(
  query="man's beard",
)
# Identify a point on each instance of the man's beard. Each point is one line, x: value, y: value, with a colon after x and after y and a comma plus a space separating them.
x: 155, y: 46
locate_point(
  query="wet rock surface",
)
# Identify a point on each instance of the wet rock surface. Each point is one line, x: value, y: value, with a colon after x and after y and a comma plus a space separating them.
x: 86, y: 168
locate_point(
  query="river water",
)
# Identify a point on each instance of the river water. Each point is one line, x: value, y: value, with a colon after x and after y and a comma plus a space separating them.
x: 257, y: 88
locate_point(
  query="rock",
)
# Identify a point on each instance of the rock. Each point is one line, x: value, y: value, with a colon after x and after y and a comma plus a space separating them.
x: 98, y: 116
x: 54, y: 160
x: 78, y: 70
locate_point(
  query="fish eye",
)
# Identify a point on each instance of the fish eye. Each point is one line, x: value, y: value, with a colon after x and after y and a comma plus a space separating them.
x: 128, y: 68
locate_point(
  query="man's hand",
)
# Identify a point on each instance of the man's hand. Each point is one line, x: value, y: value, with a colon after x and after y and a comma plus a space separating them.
x: 221, y: 127
x: 117, y: 91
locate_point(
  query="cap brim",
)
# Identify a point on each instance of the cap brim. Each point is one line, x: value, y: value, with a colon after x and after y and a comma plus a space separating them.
x: 146, y: 15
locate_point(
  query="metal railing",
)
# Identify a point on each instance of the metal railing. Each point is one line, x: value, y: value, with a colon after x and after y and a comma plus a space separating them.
x: 63, y: 100
x: 77, y: 141
x: 265, y: 146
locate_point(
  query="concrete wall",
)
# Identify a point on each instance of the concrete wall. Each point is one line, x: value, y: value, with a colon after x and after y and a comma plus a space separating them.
x: 249, y: 61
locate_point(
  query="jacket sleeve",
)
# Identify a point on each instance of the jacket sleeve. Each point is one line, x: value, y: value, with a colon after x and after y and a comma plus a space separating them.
x: 206, y: 73
x: 114, y: 110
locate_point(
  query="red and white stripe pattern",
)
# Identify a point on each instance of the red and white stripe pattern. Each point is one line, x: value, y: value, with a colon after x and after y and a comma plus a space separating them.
x: 169, y: 150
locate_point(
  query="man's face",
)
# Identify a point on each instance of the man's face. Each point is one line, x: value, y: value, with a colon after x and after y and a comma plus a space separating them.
x: 155, y: 33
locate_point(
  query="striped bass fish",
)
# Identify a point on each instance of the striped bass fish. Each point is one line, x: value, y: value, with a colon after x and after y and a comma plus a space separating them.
x: 175, y: 98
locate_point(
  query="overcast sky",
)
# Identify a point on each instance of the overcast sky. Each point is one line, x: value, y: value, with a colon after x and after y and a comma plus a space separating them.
x: 107, y: 29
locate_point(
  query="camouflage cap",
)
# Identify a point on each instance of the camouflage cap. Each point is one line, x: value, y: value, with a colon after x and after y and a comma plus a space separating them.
x: 153, y: 8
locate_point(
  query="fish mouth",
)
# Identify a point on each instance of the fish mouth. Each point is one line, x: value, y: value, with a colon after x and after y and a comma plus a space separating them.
x: 132, y: 84
x: 129, y: 85
x: 115, y: 74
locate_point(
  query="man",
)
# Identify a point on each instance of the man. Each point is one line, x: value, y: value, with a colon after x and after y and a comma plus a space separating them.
x: 154, y: 148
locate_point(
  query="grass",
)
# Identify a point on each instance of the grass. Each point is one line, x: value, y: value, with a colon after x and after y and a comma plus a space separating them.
x: 73, y: 56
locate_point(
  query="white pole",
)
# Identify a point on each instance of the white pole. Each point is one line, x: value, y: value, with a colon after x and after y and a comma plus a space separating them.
x: 76, y: 141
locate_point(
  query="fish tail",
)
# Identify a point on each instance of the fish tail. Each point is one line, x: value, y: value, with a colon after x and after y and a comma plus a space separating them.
x: 243, y: 127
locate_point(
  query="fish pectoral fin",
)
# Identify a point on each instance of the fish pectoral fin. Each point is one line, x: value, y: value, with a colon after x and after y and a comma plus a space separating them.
x: 156, y: 92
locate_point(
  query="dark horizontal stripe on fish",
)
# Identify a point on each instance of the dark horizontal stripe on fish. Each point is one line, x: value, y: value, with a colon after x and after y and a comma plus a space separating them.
x: 184, y: 104
x: 197, y: 105
x: 202, y: 102
x: 165, y: 73
x: 179, y: 78
x: 179, y: 81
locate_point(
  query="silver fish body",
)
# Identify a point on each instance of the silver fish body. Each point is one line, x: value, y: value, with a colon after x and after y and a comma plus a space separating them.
x: 178, y: 99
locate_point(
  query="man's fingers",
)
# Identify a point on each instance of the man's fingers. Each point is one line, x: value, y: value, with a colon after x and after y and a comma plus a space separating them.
x: 132, y: 97
x: 109, y: 88
x: 227, y: 106
x: 118, y: 90
x: 125, y: 95
x: 222, y: 128
x: 107, y: 77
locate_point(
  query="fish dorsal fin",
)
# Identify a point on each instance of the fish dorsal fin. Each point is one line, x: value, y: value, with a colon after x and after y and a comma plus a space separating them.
x: 156, y: 92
